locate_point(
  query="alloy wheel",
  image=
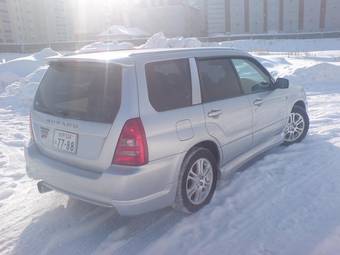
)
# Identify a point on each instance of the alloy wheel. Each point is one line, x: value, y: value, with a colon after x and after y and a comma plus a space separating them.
x: 199, y: 181
x: 295, y: 127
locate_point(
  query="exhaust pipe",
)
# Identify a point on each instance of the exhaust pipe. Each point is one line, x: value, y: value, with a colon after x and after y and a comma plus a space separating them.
x: 42, y: 188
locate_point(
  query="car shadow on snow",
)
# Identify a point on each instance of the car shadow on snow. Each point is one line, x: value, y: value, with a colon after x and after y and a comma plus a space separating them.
x: 82, y: 228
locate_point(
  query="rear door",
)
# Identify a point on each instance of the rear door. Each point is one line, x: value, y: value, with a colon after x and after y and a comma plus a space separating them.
x: 268, y: 104
x: 171, y: 114
x: 228, y: 114
x: 74, y: 109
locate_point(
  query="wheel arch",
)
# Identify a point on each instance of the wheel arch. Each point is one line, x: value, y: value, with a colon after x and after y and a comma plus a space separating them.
x: 300, y: 107
x: 213, y: 147
x: 208, y: 144
x: 300, y: 103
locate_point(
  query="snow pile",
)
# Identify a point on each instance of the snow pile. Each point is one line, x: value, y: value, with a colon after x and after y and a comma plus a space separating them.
x: 105, y: 46
x: 156, y: 41
x: 18, y: 68
x: 318, y: 73
x: 5, y: 57
x: 304, y: 69
x: 119, y: 31
x: 282, y: 45
x: 20, y: 94
x: 20, y: 78
x: 160, y: 41
x: 44, y: 54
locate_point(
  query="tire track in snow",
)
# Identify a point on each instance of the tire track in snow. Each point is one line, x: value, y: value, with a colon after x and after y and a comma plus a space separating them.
x: 153, y: 226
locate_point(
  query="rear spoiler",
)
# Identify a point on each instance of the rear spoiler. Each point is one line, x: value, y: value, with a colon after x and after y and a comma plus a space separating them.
x: 75, y: 58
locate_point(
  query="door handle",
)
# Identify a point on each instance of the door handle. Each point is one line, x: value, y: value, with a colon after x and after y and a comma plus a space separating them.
x: 214, y: 113
x: 258, y: 102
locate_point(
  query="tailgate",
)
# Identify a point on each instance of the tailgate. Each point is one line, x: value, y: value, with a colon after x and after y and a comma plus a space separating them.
x: 74, y: 110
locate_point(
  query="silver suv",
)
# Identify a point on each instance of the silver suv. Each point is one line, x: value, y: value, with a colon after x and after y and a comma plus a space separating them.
x: 140, y: 130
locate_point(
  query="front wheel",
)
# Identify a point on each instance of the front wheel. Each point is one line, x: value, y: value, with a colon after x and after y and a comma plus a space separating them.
x: 297, y: 126
x: 197, y: 180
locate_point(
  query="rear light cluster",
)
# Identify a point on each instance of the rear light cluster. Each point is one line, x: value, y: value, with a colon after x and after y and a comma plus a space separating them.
x: 132, y: 148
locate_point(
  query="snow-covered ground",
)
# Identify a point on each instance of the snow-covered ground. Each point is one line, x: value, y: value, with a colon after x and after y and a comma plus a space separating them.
x: 286, y: 202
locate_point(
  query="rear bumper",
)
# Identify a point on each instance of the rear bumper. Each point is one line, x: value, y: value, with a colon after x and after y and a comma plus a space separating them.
x: 131, y: 190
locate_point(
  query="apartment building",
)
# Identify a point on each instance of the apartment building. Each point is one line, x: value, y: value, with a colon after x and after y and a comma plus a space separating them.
x: 57, y: 20
x: 24, y: 19
x: 271, y: 16
x: 90, y: 18
x: 5, y: 23
x: 173, y: 17
x: 27, y: 21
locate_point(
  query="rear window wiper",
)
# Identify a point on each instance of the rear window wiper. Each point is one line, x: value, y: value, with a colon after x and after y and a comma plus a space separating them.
x: 68, y: 114
x: 62, y: 113
x: 43, y: 110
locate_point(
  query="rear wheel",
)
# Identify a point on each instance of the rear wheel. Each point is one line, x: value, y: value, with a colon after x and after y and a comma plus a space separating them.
x: 297, y: 126
x: 197, y: 180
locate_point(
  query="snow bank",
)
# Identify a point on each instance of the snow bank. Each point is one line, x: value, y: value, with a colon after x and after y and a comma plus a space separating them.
x: 19, y: 94
x: 105, y: 46
x: 160, y: 41
x: 281, y: 45
x: 5, y: 56
x: 18, y: 68
x: 44, y: 54
x: 156, y: 41
x: 318, y: 73
x: 19, y: 78
x: 304, y: 69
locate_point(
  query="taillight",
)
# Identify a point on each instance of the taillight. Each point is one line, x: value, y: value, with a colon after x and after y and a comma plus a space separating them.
x: 31, y: 127
x: 132, y: 148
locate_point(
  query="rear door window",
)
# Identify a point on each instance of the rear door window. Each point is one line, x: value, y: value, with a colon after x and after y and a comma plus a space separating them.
x: 218, y: 79
x: 84, y: 91
x: 169, y: 84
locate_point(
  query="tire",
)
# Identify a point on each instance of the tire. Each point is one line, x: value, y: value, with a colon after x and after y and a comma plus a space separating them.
x: 205, y: 186
x: 301, y: 129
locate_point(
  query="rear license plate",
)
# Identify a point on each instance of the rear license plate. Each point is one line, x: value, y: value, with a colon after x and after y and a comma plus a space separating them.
x: 65, y: 141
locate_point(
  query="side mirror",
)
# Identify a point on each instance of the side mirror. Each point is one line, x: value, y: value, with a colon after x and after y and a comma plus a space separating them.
x: 281, y: 83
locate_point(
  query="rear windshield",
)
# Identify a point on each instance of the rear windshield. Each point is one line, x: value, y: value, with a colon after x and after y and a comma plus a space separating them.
x: 84, y: 91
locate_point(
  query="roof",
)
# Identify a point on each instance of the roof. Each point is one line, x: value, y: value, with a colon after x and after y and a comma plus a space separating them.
x: 129, y: 56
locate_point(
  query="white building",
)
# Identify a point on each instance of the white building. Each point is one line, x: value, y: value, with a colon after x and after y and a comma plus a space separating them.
x: 27, y: 21
x: 5, y: 23
x: 271, y: 16
x: 57, y: 20
x: 173, y: 17
x: 91, y: 17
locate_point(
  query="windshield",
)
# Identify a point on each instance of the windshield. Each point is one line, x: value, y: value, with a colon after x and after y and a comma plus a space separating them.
x: 84, y: 91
